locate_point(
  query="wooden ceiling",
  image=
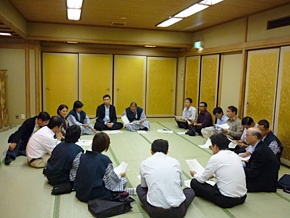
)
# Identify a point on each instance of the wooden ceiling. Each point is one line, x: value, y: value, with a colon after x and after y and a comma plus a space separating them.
x: 141, y: 14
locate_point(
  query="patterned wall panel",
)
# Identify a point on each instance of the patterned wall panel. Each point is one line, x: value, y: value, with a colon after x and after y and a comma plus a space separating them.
x: 209, y: 75
x: 95, y: 80
x: 129, y: 85
x: 192, y: 79
x: 161, y: 84
x: 59, y: 84
x: 261, y: 84
x: 284, y: 107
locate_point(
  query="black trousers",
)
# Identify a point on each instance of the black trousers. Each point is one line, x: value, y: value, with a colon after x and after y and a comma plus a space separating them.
x: 156, y: 212
x: 101, y: 126
x: 20, y: 149
x: 212, y: 193
x: 182, y: 124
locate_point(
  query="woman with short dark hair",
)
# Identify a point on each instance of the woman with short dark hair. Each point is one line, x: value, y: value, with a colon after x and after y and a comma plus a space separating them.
x: 93, y: 173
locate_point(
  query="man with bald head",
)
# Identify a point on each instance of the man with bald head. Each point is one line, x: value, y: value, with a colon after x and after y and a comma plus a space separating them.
x: 262, y: 168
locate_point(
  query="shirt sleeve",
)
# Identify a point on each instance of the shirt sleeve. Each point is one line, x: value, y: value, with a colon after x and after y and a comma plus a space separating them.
x: 193, y: 114
x: 72, y: 120
x: 113, y: 181
x: 208, y: 171
x: 75, y: 166
x: 87, y: 121
x: 143, y: 116
x: 274, y: 147
x: 143, y: 181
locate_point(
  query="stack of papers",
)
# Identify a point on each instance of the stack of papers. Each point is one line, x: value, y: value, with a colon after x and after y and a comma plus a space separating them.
x: 164, y: 131
x: 207, y: 144
x: 194, y: 165
x: 122, y: 168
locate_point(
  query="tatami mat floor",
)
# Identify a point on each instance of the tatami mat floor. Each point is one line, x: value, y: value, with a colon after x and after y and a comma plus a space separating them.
x: 25, y: 192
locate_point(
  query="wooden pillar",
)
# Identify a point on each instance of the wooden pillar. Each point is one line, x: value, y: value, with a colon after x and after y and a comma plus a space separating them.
x: 27, y: 82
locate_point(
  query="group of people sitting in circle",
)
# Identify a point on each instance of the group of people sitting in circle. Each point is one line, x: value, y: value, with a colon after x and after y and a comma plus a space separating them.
x: 50, y: 143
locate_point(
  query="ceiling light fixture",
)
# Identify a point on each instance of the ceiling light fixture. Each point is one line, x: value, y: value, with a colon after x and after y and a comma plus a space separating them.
x: 5, y: 34
x: 191, y: 10
x: 150, y: 46
x: 74, y: 4
x: 74, y: 14
x: 210, y: 2
x: 169, y: 22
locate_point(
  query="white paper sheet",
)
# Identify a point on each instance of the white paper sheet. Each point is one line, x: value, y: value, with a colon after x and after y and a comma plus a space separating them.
x: 84, y: 142
x: 125, y: 120
x: 142, y: 132
x: 232, y: 144
x: 207, y: 144
x: 164, y: 131
x: 121, y: 168
x: 194, y: 165
x: 110, y: 132
x: 245, y: 158
x: 223, y: 126
x: 187, y: 183
x: 181, y: 133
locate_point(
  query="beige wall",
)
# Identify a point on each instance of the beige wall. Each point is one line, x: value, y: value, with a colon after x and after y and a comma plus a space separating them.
x: 224, y: 34
x: 257, y: 29
x: 231, y: 75
x: 14, y: 61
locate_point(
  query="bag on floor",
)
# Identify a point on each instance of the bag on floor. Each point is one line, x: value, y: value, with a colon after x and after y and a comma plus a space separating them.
x: 284, y: 183
x: 110, y: 206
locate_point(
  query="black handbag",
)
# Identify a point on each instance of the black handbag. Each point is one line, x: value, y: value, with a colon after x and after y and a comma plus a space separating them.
x: 284, y: 183
x: 110, y: 206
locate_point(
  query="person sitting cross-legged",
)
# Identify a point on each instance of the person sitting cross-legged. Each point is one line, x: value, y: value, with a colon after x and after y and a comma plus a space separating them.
x: 18, y: 140
x: 137, y: 118
x: 61, y: 160
x: 106, y: 118
x: 161, y: 190
x: 79, y: 117
x: 93, y: 173
x: 230, y: 189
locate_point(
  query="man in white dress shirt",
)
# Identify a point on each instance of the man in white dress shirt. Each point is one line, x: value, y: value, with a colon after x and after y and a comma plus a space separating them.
x: 230, y: 189
x: 188, y: 115
x: 41, y: 144
x: 161, y: 184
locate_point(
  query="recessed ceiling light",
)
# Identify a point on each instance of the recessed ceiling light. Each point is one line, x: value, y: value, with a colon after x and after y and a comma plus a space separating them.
x: 150, y: 46
x: 74, y: 14
x: 191, y: 10
x: 5, y: 34
x: 72, y: 42
x: 169, y: 22
x: 210, y: 2
x: 76, y: 4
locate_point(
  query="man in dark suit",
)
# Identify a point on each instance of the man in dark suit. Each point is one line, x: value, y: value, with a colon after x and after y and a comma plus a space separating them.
x: 263, y: 166
x: 106, y: 118
x: 19, y: 139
